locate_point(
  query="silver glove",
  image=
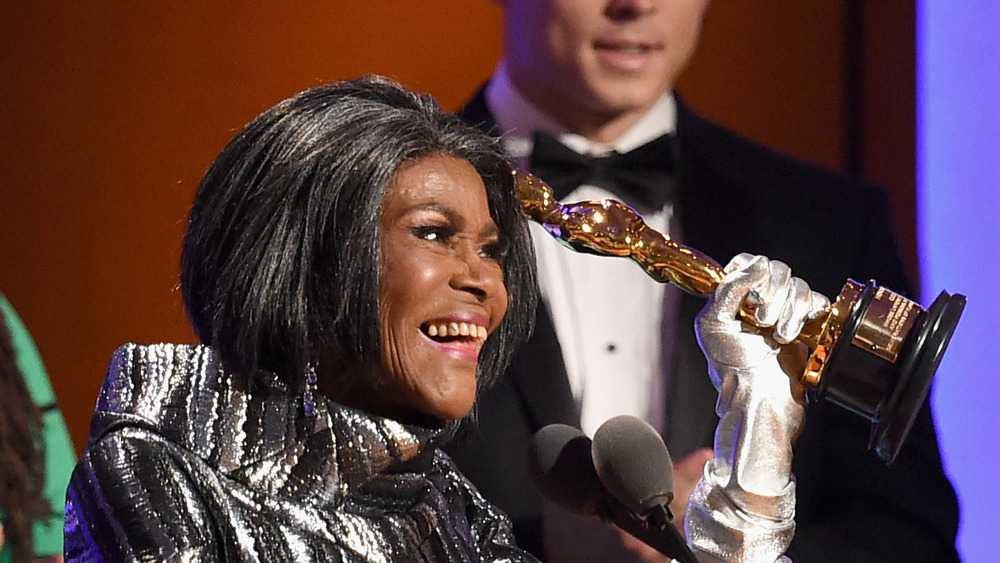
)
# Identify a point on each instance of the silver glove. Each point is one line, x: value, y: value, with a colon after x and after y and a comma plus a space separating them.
x: 743, y: 508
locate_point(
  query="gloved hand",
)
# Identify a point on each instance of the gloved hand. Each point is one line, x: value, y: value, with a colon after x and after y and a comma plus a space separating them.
x: 744, y: 506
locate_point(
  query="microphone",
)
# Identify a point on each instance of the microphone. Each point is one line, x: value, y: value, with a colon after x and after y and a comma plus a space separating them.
x: 634, y: 465
x: 561, y: 462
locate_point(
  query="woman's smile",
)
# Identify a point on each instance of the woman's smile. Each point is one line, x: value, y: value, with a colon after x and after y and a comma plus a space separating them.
x: 458, y: 338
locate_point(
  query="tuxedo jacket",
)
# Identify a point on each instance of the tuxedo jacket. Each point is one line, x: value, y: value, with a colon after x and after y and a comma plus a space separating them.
x: 736, y: 196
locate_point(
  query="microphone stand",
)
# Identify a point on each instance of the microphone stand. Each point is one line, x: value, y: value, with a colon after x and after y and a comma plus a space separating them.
x: 655, y: 530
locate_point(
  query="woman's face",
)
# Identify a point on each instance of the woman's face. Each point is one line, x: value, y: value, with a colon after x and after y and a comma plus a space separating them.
x: 441, y: 289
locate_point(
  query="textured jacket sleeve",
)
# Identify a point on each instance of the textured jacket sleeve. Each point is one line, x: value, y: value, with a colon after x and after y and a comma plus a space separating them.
x: 494, y: 536
x: 130, y: 498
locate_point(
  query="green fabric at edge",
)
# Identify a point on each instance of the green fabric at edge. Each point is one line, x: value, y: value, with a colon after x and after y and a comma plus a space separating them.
x: 60, y: 457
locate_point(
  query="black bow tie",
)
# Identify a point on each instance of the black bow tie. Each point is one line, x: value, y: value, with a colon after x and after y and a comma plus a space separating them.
x: 645, y: 174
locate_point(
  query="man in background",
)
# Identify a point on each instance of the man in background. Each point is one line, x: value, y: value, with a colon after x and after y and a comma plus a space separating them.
x: 584, y: 97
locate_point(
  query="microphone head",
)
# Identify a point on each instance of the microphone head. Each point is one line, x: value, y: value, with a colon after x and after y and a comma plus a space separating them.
x: 560, y: 464
x: 633, y: 463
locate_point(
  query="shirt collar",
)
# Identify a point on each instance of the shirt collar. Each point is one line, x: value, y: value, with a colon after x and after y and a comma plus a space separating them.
x: 517, y: 118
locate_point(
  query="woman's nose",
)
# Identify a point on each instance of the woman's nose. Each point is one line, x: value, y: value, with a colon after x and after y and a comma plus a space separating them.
x: 478, y: 274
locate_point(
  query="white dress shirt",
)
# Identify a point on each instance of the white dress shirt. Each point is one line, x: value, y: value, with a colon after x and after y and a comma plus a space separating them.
x: 607, y: 311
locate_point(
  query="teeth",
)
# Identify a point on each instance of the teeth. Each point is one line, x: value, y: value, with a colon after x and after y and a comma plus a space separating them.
x: 457, y: 329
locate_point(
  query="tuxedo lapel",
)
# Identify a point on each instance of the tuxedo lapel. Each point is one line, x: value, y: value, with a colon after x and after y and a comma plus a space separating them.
x: 539, y: 377
x: 716, y: 207
x: 712, y: 214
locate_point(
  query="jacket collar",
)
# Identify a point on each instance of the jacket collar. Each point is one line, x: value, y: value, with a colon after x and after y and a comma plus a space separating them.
x: 180, y: 396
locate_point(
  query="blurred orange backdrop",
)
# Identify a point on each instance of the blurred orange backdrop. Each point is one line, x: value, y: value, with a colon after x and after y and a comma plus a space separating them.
x: 110, y: 111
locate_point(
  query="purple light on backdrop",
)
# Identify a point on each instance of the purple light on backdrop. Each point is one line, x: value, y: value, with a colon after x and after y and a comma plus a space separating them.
x: 958, y: 177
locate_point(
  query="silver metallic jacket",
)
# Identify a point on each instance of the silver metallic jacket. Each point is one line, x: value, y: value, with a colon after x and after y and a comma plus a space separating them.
x: 184, y: 464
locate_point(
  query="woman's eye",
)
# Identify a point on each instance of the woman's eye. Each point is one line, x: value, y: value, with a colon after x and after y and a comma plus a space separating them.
x: 494, y: 250
x: 432, y: 233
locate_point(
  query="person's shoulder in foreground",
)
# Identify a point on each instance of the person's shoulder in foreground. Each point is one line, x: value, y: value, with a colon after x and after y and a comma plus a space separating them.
x: 57, y: 449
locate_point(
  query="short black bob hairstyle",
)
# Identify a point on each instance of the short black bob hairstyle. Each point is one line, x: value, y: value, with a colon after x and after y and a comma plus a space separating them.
x: 281, y: 253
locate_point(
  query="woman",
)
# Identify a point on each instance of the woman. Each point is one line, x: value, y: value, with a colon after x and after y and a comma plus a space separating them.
x: 356, y: 266
x: 36, y: 455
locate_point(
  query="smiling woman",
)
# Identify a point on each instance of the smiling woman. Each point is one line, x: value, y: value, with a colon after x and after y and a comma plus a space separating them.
x: 356, y: 266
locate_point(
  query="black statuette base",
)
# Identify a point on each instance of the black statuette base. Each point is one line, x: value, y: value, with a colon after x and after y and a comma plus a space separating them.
x: 884, y: 360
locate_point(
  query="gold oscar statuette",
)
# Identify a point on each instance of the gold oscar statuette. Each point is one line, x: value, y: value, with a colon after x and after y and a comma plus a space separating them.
x: 873, y: 351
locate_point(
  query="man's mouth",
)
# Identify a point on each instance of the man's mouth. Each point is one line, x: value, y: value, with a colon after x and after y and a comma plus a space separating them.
x: 627, y: 48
